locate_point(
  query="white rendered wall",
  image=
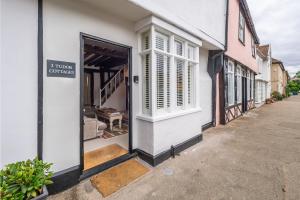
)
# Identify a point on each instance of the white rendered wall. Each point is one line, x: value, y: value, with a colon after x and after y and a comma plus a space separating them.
x: 264, y: 75
x: 205, y: 89
x: 1, y: 72
x: 63, y: 22
x: 206, y: 19
x: 18, y: 80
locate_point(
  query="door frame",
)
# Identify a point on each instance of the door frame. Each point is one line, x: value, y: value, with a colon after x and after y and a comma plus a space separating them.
x: 111, y: 163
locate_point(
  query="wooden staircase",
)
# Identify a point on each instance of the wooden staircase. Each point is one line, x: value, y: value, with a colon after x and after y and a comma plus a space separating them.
x: 111, y: 86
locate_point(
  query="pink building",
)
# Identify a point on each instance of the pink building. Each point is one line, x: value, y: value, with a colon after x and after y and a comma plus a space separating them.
x: 235, y: 79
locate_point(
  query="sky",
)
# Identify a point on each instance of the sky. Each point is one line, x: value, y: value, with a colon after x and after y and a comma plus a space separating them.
x: 277, y: 22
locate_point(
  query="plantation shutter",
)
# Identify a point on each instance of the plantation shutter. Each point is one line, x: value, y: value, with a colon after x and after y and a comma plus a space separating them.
x: 190, y: 81
x: 178, y: 48
x: 191, y: 52
x: 147, y: 81
x: 160, y: 63
x: 180, y: 86
x: 146, y: 41
x: 162, y: 42
x: 168, y: 83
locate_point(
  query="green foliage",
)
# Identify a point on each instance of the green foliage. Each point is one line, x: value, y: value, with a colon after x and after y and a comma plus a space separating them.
x: 294, y: 86
x: 276, y: 95
x: 287, y: 91
x: 298, y: 74
x: 24, y: 180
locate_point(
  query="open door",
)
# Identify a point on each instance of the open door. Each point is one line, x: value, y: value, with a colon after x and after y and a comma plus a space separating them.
x: 105, y: 107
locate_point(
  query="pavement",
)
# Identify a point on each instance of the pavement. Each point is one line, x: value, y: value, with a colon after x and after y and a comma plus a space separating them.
x: 254, y: 157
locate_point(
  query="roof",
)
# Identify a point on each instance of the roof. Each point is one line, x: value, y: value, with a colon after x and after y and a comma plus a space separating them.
x: 276, y: 61
x: 264, y: 49
x: 249, y: 20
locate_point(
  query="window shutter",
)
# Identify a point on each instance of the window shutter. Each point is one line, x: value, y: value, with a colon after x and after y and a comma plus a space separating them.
x: 162, y: 42
x: 160, y: 63
x: 180, y: 87
x: 178, y: 47
x: 191, y: 52
x: 146, y: 41
x: 147, y: 81
x: 190, y: 81
x: 168, y: 83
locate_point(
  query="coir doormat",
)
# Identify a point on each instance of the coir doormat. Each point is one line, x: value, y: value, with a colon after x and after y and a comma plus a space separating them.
x: 115, y: 178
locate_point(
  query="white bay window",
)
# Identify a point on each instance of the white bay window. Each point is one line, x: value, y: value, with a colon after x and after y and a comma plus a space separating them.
x: 169, y: 71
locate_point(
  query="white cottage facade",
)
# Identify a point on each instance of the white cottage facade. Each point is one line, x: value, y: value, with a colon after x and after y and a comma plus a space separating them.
x: 263, y: 79
x: 139, y: 67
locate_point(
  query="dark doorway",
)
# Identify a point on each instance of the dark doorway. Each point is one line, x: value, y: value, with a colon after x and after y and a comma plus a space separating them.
x: 105, y: 137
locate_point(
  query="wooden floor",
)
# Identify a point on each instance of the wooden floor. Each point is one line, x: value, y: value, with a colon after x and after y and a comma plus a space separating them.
x: 102, y: 155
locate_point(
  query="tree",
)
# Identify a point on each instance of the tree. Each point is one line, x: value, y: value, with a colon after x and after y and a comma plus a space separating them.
x: 293, y: 86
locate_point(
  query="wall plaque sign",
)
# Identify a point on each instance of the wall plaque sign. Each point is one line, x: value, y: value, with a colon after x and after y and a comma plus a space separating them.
x: 63, y: 69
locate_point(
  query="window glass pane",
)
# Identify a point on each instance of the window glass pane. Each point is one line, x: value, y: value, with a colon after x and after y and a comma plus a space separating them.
x: 178, y: 48
x: 241, y: 27
x: 190, y: 82
x: 191, y: 52
x: 146, y: 41
x: 168, y: 82
x: 160, y: 63
x: 179, y: 78
x: 230, y: 84
x: 147, y: 81
x: 162, y: 42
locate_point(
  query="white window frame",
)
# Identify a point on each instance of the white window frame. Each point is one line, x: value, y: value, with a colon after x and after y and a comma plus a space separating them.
x: 252, y: 84
x: 190, y: 99
x: 248, y: 85
x: 239, y: 83
x: 230, y: 85
x: 241, y: 27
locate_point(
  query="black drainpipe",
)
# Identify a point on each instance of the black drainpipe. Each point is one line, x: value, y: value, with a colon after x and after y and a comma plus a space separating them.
x: 213, y: 68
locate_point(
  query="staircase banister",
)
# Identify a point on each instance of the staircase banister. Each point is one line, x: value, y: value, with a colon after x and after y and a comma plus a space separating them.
x: 113, y: 79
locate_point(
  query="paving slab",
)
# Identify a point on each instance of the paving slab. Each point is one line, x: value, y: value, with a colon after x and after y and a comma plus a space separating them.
x: 254, y: 157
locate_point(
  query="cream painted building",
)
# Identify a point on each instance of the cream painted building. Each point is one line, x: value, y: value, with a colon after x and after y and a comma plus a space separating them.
x: 263, y: 78
x: 277, y: 76
x: 56, y: 53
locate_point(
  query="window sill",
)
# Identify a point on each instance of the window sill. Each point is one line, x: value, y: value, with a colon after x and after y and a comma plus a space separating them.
x: 166, y: 116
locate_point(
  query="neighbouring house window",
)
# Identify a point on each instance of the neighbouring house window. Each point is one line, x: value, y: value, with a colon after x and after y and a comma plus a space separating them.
x: 242, y: 28
x: 239, y: 83
x: 253, y: 48
x: 230, y: 78
x: 252, y: 85
x: 172, y: 63
x: 248, y: 86
x: 257, y: 92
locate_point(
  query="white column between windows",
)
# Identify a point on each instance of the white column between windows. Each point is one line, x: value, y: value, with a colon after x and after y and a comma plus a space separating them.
x: 153, y: 73
x: 173, y: 91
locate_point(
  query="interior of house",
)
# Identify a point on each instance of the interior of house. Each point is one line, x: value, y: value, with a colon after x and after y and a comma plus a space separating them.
x: 106, y: 102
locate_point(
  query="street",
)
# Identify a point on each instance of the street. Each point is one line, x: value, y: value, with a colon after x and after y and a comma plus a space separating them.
x: 254, y: 157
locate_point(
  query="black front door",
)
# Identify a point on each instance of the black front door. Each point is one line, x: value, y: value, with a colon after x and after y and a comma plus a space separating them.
x: 244, y: 94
